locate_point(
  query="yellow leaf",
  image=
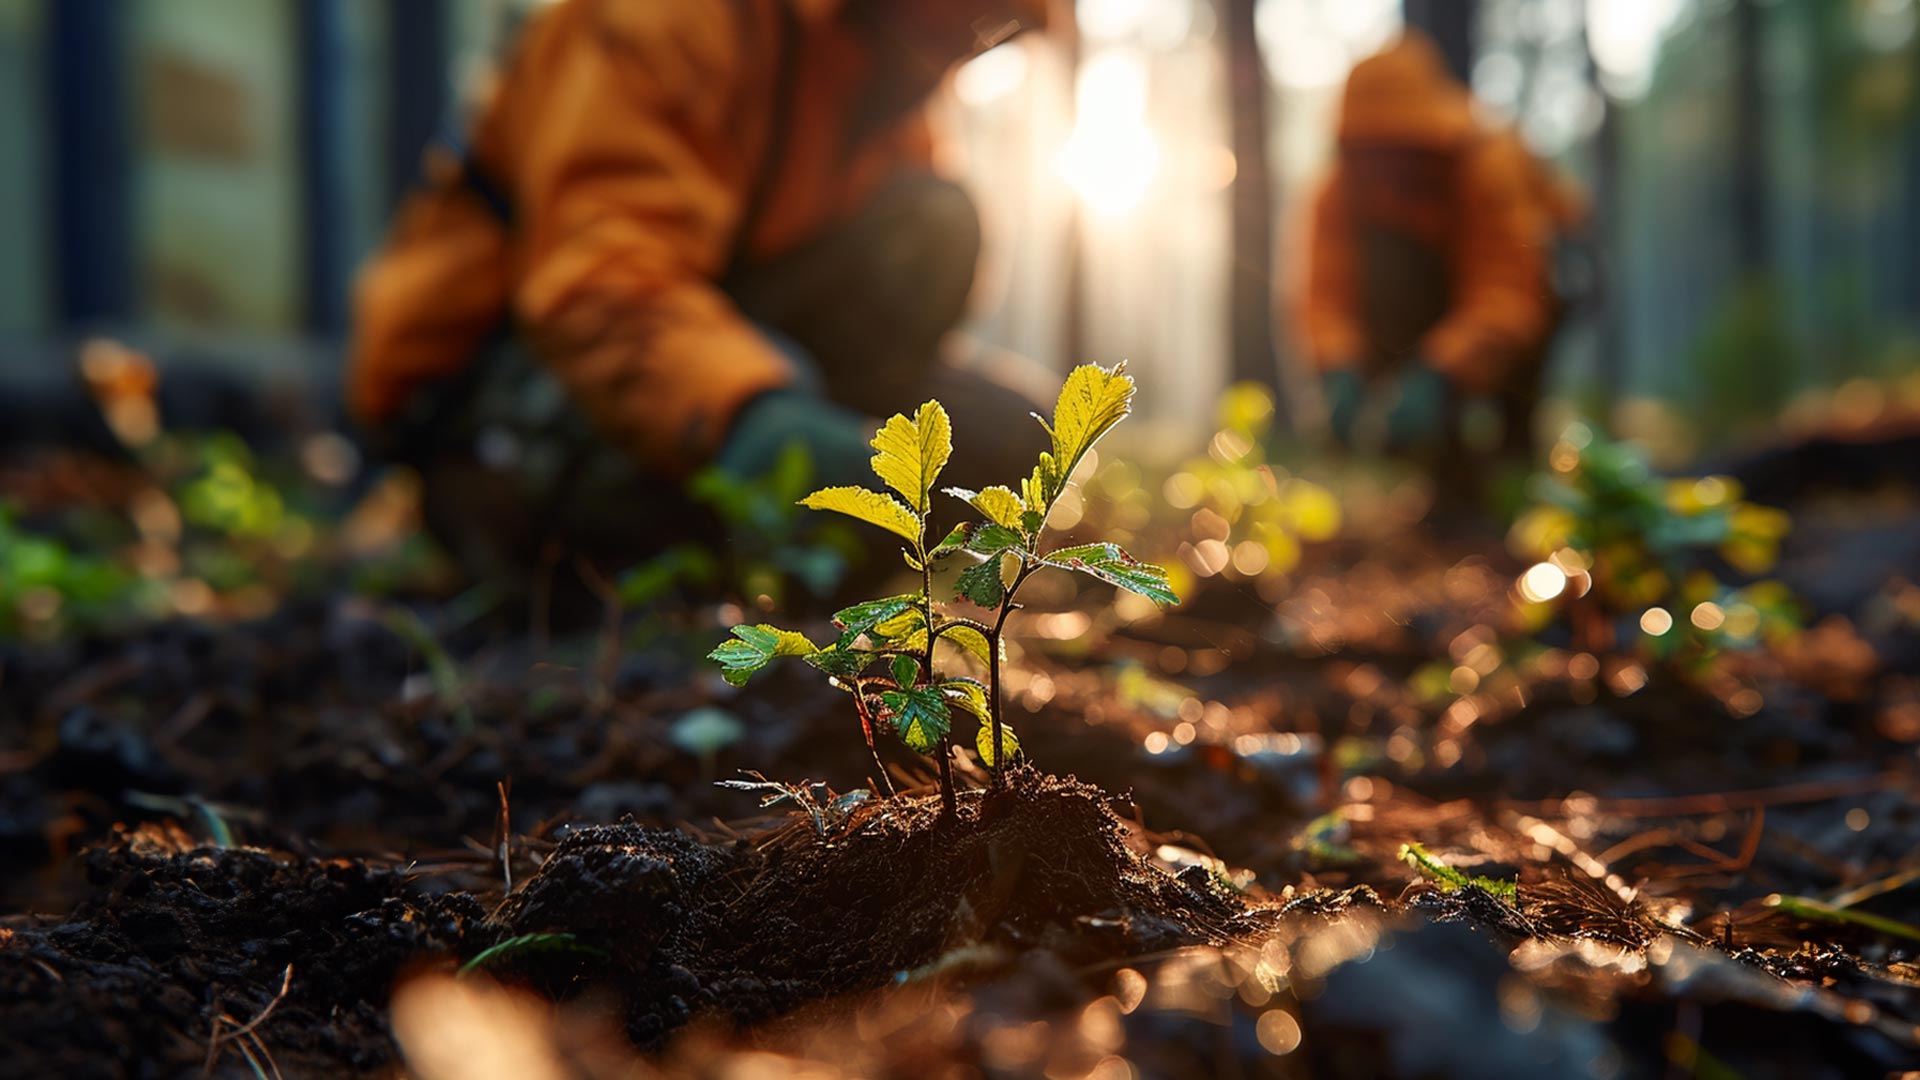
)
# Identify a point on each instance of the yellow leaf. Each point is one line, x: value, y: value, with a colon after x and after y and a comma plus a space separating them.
x: 1246, y: 408
x: 868, y: 506
x: 969, y: 698
x: 1541, y: 531
x: 983, y: 742
x: 1312, y: 509
x: 1750, y: 555
x: 1001, y: 506
x: 971, y: 640
x: 1283, y: 551
x: 1760, y: 522
x: 899, y: 626
x: 1039, y: 489
x: 1092, y: 401
x: 906, y: 631
x: 912, y: 452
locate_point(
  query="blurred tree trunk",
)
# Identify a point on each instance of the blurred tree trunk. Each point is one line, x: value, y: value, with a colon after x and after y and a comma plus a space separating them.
x: 1752, y: 236
x: 419, y: 86
x: 1250, y: 272
x: 320, y: 43
x: 1606, y: 300
x: 1450, y: 23
x: 1073, y: 323
x: 92, y: 162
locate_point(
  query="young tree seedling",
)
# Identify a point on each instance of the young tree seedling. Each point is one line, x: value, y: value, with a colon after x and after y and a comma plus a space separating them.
x: 1091, y: 403
x: 884, y: 656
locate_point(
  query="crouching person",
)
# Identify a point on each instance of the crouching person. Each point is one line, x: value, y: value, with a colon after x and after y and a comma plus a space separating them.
x: 1428, y: 268
x: 683, y: 233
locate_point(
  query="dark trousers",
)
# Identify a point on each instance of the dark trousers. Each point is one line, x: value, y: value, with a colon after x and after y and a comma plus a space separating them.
x: 516, y: 479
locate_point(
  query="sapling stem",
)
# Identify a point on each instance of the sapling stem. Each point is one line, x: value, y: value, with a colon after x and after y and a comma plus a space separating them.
x: 948, y: 802
x: 866, y: 728
x: 1007, y: 607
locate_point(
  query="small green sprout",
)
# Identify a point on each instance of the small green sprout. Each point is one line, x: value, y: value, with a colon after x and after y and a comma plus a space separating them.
x: 704, y: 732
x: 884, y: 655
x: 1805, y: 907
x: 526, y: 945
x: 1431, y: 868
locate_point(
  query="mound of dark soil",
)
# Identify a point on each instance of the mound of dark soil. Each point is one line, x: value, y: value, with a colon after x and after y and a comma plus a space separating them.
x: 177, y: 946
x: 749, y: 931
x: 174, y: 937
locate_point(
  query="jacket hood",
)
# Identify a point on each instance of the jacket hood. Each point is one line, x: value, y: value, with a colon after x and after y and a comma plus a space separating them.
x: 1404, y: 94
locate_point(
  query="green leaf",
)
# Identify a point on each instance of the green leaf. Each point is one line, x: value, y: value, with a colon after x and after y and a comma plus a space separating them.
x: 982, y: 584
x: 1000, y: 505
x: 983, y: 742
x: 1423, y: 862
x: 869, y: 506
x: 861, y: 618
x: 981, y: 538
x: 839, y: 662
x: 1115, y: 567
x: 754, y: 648
x: 920, y: 717
x: 955, y: 539
x: 992, y: 539
x: 906, y: 671
x: 973, y: 641
x: 911, y: 453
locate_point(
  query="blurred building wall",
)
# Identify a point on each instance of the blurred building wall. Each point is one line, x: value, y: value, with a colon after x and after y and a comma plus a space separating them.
x: 216, y: 190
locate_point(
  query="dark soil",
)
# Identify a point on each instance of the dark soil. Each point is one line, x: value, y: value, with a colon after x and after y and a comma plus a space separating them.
x: 194, y: 818
x: 754, y: 930
x: 172, y: 938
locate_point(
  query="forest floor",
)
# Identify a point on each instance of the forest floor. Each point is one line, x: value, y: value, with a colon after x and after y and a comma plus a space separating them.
x: 282, y: 847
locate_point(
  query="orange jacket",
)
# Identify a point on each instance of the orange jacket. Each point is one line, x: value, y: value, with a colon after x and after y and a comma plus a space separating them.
x: 1494, y: 231
x: 628, y: 137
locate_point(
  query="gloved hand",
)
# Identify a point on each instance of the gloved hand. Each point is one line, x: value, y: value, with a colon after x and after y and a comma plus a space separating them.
x: 835, y: 437
x: 1345, y: 391
x: 1418, y: 419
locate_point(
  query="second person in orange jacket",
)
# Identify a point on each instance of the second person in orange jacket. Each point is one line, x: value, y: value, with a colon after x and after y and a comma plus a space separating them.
x: 1427, y: 272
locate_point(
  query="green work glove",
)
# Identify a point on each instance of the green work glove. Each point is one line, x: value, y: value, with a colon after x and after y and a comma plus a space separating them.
x: 1345, y: 391
x: 1418, y: 420
x: 835, y: 438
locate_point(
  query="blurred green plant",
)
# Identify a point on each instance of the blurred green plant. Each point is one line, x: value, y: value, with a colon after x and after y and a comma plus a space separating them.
x: 770, y: 547
x: 48, y: 588
x: 909, y: 694
x: 1250, y: 517
x: 1612, y: 539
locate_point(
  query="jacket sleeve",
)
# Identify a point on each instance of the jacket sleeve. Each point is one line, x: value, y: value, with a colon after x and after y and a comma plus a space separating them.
x: 630, y: 192
x: 1502, y: 302
x: 430, y: 299
x: 1329, y: 287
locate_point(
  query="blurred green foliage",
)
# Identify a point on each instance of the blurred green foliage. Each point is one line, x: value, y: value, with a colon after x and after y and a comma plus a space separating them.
x: 770, y: 549
x: 1613, y: 539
